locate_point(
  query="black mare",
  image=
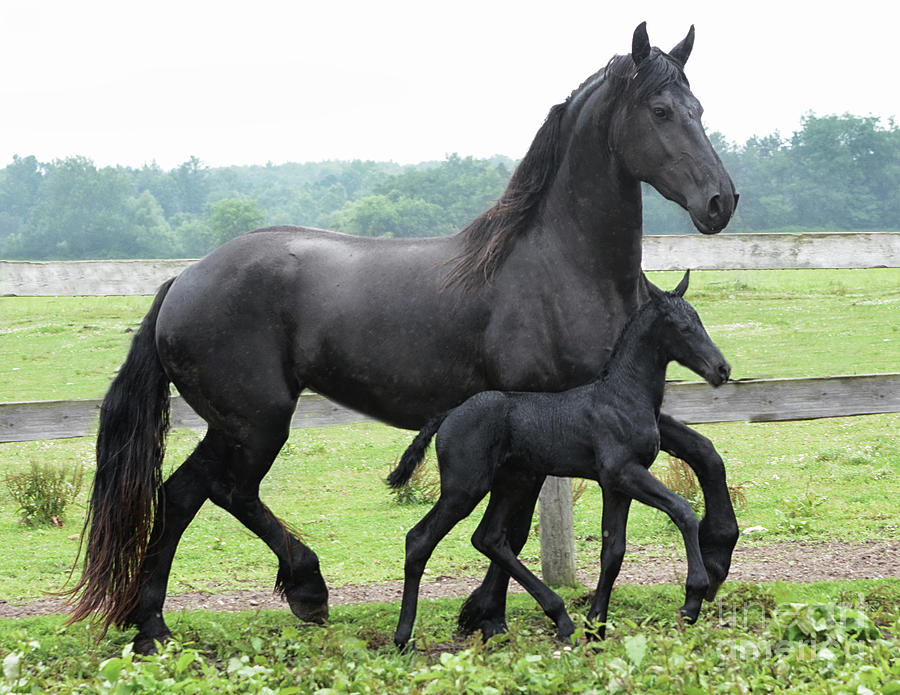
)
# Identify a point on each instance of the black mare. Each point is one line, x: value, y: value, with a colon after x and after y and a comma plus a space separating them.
x: 606, y: 430
x: 529, y: 296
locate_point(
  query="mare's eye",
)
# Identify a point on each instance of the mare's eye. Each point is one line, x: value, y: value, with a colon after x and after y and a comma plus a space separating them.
x: 659, y: 112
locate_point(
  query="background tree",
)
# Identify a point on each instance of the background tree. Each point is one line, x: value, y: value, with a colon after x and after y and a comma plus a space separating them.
x: 834, y: 173
x: 232, y: 217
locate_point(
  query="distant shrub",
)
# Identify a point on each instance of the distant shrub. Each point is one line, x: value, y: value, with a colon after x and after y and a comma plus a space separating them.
x: 43, y: 491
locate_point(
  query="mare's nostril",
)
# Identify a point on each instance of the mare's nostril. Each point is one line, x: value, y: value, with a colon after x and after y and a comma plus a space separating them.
x: 714, y: 208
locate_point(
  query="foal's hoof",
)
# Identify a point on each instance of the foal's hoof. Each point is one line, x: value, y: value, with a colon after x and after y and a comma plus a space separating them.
x: 310, y: 612
x: 471, y: 620
x: 689, y: 615
x: 714, y: 585
x: 407, y: 647
x: 146, y: 645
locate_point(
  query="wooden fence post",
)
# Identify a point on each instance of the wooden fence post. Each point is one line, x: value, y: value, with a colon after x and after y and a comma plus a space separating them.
x: 557, y: 532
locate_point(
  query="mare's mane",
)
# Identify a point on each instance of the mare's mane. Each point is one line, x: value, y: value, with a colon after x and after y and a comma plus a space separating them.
x: 487, y: 240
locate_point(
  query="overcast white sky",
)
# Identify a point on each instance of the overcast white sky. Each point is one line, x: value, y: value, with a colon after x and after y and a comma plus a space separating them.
x: 250, y: 82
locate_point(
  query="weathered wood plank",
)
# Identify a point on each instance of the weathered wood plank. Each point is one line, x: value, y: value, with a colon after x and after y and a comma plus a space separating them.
x: 86, y: 278
x: 34, y: 420
x: 754, y: 400
x: 723, y: 251
x: 765, y: 400
x: 772, y: 251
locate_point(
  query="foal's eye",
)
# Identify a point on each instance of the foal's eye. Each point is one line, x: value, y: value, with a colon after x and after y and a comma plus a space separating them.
x: 659, y: 112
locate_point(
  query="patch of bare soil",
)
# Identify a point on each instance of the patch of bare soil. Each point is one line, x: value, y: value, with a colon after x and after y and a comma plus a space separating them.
x: 796, y: 561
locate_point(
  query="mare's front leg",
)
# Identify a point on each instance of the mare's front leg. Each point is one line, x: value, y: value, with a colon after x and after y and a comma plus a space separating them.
x: 634, y: 480
x: 614, y: 522
x: 718, y: 530
x: 485, y: 609
x: 492, y: 537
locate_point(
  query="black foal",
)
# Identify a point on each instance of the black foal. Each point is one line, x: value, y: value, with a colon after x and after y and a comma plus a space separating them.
x: 606, y: 430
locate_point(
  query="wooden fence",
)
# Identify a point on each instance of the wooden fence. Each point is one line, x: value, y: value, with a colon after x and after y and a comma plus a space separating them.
x: 749, y: 399
x: 743, y: 400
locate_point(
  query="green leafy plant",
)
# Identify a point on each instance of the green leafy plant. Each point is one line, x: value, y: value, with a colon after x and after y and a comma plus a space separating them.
x: 44, y: 490
x: 822, y: 622
x: 423, y: 487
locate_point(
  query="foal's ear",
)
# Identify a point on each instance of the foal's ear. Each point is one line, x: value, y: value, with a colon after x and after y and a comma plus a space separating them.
x: 640, y: 44
x: 682, y: 51
x: 683, y: 285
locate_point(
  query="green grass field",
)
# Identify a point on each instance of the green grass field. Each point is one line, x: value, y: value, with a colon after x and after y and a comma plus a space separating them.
x: 835, y: 479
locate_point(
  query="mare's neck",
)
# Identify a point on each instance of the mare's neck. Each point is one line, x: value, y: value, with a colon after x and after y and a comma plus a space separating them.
x: 593, y: 210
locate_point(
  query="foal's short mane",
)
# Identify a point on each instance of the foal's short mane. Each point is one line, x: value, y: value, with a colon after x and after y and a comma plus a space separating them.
x: 487, y: 240
x: 634, y: 325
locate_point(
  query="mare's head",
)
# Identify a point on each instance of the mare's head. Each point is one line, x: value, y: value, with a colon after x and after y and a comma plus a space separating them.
x: 657, y: 136
x: 683, y: 338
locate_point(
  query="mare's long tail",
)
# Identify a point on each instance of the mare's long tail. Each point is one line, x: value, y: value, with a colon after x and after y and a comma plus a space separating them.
x: 134, y: 418
x: 415, y: 452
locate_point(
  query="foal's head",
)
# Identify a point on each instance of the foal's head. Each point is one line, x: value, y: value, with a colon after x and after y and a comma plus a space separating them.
x: 684, y: 339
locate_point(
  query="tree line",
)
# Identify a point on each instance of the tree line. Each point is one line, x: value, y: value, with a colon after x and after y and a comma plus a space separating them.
x: 835, y: 173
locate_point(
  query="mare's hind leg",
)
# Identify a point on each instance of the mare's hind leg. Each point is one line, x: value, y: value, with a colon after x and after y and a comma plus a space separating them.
x: 612, y: 552
x: 236, y: 489
x: 485, y: 608
x: 181, y: 497
x: 718, y: 530
x: 492, y: 537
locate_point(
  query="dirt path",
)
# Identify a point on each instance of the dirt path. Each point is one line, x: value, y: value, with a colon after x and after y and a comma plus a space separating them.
x: 797, y: 561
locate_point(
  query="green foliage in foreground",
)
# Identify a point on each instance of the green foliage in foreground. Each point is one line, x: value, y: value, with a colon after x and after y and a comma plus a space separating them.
x: 819, y: 638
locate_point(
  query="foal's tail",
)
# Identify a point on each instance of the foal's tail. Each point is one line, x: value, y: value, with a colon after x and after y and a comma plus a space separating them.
x: 415, y: 452
x: 134, y: 418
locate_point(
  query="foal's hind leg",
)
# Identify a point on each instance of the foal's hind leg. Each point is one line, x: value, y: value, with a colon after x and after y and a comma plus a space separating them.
x: 718, y: 530
x: 492, y: 538
x: 612, y: 552
x: 485, y: 608
x: 452, y: 506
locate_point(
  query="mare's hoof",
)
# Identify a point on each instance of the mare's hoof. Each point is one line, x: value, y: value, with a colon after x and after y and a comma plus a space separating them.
x: 146, y: 645
x: 310, y: 612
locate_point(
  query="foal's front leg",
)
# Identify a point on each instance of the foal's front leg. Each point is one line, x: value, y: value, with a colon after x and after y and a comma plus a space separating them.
x: 637, y: 482
x: 718, y: 532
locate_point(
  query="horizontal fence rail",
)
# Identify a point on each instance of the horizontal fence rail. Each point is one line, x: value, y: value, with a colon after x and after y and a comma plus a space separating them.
x: 753, y: 400
x: 697, y: 252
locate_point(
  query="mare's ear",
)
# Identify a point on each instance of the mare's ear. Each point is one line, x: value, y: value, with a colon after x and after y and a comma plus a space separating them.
x: 640, y: 44
x: 683, y: 285
x: 682, y: 51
